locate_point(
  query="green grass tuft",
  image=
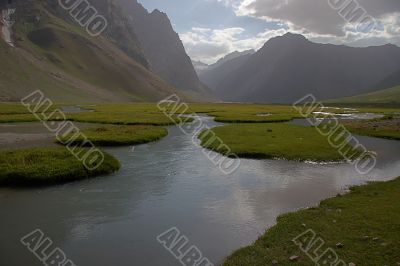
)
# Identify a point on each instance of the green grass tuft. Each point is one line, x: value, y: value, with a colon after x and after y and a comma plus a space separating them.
x: 47, y: 166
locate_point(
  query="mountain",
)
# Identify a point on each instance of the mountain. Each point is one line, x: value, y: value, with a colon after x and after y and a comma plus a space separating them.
x: 288, y: 67
x: 55, y: 54
x: 162, y: 46
x: 230, y: 57
x: 217, y: 72
x: 199, y: 66
x: 387, y: 96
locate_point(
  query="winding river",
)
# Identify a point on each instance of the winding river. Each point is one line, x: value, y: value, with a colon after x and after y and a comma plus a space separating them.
x: 114, y: 220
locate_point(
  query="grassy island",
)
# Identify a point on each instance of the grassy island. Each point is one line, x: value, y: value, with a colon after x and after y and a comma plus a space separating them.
x: 48, y: 166
x: 275, y: 140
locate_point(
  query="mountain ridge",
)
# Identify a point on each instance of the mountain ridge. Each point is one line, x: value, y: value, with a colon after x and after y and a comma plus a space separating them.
x: 288, y: 67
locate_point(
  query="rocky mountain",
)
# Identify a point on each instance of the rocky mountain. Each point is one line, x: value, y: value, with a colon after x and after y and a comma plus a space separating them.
x: 162, y: 46
x: 288, y: 67
x: 57, y: 55
x: 216, y: 73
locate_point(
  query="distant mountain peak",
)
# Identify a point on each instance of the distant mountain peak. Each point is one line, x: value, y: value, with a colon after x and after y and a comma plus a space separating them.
x: 292, y: 37
x: 158, y: 13
x: 231, y: 56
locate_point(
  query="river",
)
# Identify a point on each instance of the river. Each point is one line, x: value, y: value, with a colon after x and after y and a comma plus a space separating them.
x: 114, y: 220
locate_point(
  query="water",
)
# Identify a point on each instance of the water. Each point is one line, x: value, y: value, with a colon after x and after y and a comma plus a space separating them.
x: 114, y: 220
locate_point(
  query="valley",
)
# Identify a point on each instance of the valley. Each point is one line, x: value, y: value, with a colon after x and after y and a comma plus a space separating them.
x: 199, y: 133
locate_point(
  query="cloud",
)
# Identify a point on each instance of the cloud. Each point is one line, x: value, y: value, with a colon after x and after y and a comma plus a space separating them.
x: 208, y: 45
x: 316, y: 16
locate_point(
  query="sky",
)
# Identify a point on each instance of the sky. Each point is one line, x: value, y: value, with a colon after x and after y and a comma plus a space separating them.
x: 210, y: 29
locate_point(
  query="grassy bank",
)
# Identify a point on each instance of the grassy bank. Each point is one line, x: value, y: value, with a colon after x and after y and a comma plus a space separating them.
x: 31, y: 167
x: 388, y: 127
x: 366, y: 222
x: 272, y: 141
x: 113, y: 135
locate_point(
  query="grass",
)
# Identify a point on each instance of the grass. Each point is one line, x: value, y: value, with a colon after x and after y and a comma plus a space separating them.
x: 16, y: 108
x: 118, y: 114
x: 14, y: 118
x: 246, y: 113
x: 47, y: 166
x: 388, y: 127
x: 149, y: 114
x: 124, y: 118
x: 112, y: 135
x: 366, y: 221
x: 275, y: 140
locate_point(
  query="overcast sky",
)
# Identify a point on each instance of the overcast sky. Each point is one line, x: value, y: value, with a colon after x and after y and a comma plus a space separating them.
x: 210, y: 29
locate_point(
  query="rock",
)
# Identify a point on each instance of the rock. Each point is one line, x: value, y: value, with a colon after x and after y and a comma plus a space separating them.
x: 365, y: 237
x: 339, y: 245
x: 304, y: 225
x: 375, y: 238
x: 352, y: 264
x: 274, y: 262
x: 294, y: 258
x: 334, y: 221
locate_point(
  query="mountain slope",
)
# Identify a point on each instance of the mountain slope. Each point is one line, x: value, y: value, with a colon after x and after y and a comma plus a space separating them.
x: 162, y: 46
x: 287, y: 68
x: 56, y: 55
x: 391, y: 80
x: 217, y: 72
x: 386, y: 96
